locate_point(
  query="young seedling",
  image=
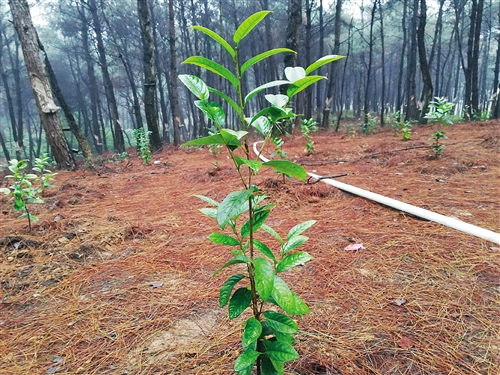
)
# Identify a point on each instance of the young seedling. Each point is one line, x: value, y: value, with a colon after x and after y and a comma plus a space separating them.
x: 143, y: 146
x: 437, y: 147
x: 308, y: 126
x: 267, y: 334
x: 27, y: 188
x: 406, y: 131
x: 439, y: 111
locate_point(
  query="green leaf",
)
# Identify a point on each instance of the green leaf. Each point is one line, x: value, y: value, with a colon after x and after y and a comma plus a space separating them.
x: 213, y: 111
x: 248, y: 25
x: 277, y: 100
x: 285, y: 337
x: 5, y: 190
x: 223, y: 239
x: 270, y: 367
x: 283, y: 295
x: 288, y: 168
x: 195, y: 85
x: 209, y: 211
x: 292, y: 260
x: 254, y: 60
x: 262, y: 247
x: 226, y: 98
x: 293, y: 243
x: 300, y: 228
x: 207, y: 199
x: 280, y: 351
x: 300, y: 306
x: 280, y: 322
x: 227, y: 288
x: 294, y: 74
x: 272, y: 232
x: 35, y: 200
x: 263, y: 125
x: 252, y: 331
x: 258, y: 219
x: 217, y: 38
x: 239, y: 302
x: 246, y: 359
x: 212, y: 66
x: 231, y: 205
x: 252, y: 164
x: 268, y: 85
x: 322, y: 61
x: 215, y: 139
x: 247, y: 370
x: 274, y: 112
x: 236, y: 260
x: 302, y: 84
x: 264, y: 277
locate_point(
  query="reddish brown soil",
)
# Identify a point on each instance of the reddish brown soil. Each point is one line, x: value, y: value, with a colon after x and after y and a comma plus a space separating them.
x: 116, y: 277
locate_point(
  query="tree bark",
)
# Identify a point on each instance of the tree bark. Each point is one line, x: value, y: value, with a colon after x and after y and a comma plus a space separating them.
x: 40, y: 85
x: 148, y: 47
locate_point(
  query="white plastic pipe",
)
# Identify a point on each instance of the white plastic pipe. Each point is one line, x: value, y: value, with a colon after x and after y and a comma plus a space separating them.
x: 413, y: 210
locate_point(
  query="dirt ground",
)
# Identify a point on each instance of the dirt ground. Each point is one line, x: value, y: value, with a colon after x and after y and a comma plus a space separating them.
x: 116, y: 277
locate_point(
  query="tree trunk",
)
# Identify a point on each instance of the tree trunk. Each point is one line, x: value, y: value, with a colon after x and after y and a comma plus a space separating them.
x: 496, y: 85
x: 150, y: 100
x: 82, y: 141
x: 174, y: 96
x: 424, y: 66
x: 399, y: 100
x: 309, y: 90
x: 382, y: 56
x: 370, y: 61
x: 292, y: 31
x: 119, y: 142
x: 411, y: 102
x: 40, y: 85
x: 331, y: 79
x: 475, y: 61
x: 319, y: 85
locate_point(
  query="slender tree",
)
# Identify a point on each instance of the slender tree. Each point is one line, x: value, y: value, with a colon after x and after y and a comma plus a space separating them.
x: 370, y: 62
x: 119, y: 142
x: 40, y: 85
x: 424, y: 66
x: 150, y: 79
x: 174, y: 96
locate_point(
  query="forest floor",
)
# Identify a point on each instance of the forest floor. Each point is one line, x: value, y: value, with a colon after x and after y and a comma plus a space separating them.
x: 116, y: 277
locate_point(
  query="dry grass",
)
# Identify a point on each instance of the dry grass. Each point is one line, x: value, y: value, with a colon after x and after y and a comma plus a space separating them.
x: 116, y: 278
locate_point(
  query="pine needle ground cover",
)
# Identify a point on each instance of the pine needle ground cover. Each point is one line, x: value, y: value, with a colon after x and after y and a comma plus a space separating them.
x: 116, y: 277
